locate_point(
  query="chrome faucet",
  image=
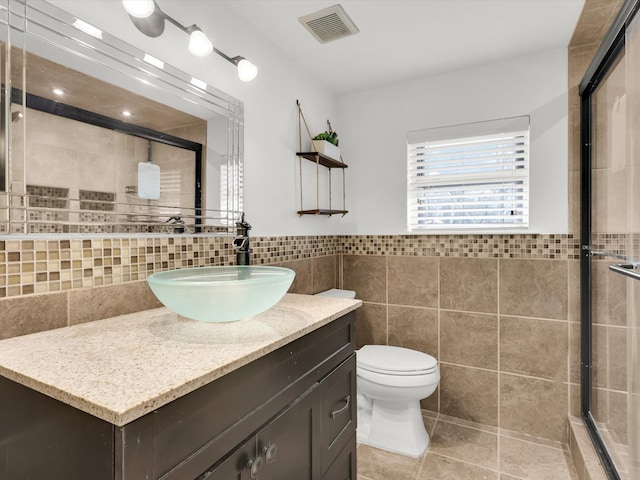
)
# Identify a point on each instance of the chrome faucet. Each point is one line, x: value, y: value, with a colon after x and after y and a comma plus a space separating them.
x: 241, y: 242
x: 178, y: 222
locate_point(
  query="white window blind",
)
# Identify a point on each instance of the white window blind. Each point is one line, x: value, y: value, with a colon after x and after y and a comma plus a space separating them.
x: 473, y: 176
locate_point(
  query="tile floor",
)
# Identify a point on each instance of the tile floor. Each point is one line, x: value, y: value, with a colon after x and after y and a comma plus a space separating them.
x: 461, y: 450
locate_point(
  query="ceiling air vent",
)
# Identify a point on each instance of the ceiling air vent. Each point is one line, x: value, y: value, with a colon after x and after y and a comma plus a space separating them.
x: 329, y: 24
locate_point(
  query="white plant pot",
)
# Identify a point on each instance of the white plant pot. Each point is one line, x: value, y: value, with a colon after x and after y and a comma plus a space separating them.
x: 326, y: 148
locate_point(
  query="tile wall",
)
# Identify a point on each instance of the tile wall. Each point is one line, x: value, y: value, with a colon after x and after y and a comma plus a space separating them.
x: 497, y: 320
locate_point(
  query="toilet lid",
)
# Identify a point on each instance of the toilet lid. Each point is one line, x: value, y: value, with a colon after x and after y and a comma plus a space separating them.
x: 394, y: 360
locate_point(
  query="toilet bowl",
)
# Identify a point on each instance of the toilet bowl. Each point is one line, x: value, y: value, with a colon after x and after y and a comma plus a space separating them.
x: 391, y: 381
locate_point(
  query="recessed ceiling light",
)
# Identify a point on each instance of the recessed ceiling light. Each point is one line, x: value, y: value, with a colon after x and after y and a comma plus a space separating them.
x: 58, y: 91
x: 198, y: 83
x: 87, y: 28
x: 153, y: 61
x: 126, y: 113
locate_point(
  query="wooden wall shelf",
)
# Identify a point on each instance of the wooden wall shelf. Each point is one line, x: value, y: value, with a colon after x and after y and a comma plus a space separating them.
x: 327, y: 162
x: 322, y: 159
x: 322, y: 211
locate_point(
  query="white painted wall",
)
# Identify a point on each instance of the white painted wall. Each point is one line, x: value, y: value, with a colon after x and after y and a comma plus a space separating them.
x: 374, y: 126
x: 271, y: 131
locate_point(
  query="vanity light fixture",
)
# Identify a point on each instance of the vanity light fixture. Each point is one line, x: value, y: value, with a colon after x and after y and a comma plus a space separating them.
x: 147, y: 16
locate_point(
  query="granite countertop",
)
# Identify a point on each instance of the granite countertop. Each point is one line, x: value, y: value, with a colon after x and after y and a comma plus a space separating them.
x: 122, y: 368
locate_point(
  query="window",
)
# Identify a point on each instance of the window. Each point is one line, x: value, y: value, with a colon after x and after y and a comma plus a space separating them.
x: 472, y: 176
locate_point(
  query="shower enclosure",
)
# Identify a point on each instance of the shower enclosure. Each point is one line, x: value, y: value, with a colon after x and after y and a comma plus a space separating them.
x: 610, y: 242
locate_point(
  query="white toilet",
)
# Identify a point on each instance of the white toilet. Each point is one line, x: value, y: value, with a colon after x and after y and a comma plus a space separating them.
x: 391, y: 381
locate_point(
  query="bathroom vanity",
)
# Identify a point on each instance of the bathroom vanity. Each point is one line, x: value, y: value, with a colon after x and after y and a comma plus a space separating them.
x: 155, y: 396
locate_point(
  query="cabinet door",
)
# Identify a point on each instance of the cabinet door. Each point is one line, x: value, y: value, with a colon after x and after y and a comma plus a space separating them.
x: 287, y: 444
x: 344, y: 466
x: 238, y: 466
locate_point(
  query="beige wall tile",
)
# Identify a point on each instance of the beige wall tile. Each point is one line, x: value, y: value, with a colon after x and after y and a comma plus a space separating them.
x: 303, y: 282
x: 324, y: 273
x: 600, y: 404
x: 574, y: 203
x: 469, y: 393
x: 469, y: 339
x: 371, y: 325
x: 432, y: 402
x: 574, y: 290
x: 367, y: 275
x: 469, y: 284
x: 609, y: 301
x: 574, y: 399
x: 35, y: 313
x: 617, y: 423
x: 593, y: 23
x: 574, y: 352
x: 599, y: 355
x: 413, y: 281
x: 533, y: 406
x: 534, y: 288
x: 534, y: 347
x: 617, y: 357
x: 91, y: 304
x: 415, y: 328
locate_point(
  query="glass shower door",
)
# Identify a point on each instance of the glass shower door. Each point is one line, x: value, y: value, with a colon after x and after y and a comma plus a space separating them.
x: 609, y: 177
x: 614, y: 257
x: 632, y: 279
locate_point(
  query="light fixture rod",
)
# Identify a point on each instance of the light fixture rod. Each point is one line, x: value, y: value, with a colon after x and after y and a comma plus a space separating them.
x: 187, y: 30
x: 234, y: 60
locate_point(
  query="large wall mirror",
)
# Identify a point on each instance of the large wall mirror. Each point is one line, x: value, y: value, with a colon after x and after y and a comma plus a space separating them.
x: 100, y: 138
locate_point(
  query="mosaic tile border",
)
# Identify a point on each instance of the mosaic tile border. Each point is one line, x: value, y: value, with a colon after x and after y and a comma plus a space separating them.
x: 43, y: 266
x: 564, y: 247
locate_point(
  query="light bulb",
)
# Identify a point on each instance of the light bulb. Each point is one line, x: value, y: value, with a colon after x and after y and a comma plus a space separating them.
x: 199, y: 44
x: 139, y: 8
x: 247, y: 71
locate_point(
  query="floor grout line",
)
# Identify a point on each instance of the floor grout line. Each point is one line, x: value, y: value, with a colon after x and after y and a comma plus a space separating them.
x: 438, y: 419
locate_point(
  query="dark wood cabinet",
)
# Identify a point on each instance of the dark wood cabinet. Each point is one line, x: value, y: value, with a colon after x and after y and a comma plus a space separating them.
x: 288, y: 415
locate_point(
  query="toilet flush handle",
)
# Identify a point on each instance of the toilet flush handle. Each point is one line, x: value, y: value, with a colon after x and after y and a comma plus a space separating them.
x: 347, y: 402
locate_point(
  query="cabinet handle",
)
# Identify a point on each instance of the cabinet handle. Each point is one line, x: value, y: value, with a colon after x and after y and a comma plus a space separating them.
x: 255, y: 465
x: 347, y: 402
x: 270, y: 451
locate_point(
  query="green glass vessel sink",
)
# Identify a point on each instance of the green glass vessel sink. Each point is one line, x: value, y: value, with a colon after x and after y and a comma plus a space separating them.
x: 221, y: 294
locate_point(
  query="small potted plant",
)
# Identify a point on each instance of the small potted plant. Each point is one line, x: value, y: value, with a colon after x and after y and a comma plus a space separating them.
x: 327, y: 144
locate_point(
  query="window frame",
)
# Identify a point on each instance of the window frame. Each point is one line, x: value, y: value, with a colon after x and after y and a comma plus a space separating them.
x: 488, y: 159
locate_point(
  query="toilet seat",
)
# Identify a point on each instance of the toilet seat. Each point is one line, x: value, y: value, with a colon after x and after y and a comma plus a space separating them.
x: 398, y: 361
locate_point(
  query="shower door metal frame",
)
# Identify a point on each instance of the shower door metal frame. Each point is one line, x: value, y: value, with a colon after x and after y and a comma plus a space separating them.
x: 606, y: 56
